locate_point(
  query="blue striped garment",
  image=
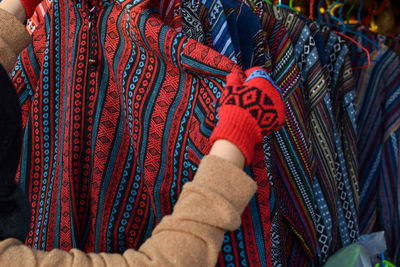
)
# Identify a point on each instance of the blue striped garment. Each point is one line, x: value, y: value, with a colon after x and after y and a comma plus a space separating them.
x: 378, y: 122
x: 222, y: 41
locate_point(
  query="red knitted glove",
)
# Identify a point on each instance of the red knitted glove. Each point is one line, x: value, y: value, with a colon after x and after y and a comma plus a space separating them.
x: 29, y: 6
x: 249, y: 110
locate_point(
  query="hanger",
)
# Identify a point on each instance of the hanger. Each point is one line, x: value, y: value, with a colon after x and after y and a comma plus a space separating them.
x: 269, y: 2
x: 286, y: 6
x: 311, y: 12
x: 319, y: 18
x: 349, y: 13
x: 360, y: 46
x: 331, y: 11
x: 345, y: 30
x: 341, y: 13
x: 291, y: 6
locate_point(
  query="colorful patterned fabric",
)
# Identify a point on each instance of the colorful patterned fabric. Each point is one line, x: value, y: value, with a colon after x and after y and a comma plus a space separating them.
x: 171, y: 13
x: 320, y: 130
x: 343, y: 95
x: 191, y: 25
x: 117, y: 110
x: 378, y: 122
x: 193, y: 11
x: 347, y: 194
x: 245, y: 28
x: 335, y: 208
x: 222, y: 41
x: 336, y: 194
x: 231, y: 20
x: 38, y: 16
x: 293, y: 237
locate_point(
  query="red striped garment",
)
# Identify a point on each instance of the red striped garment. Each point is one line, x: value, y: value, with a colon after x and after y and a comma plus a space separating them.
x: 117, y: 110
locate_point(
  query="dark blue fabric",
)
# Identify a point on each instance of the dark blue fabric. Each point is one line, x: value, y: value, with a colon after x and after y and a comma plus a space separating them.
x: 243, y: 25
x: 230, y: 8
x: 248, y: 26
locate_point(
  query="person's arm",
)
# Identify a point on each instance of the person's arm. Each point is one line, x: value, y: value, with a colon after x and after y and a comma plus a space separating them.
x: 226, y: 150
x: 207, y: 206
x: 191, y: 236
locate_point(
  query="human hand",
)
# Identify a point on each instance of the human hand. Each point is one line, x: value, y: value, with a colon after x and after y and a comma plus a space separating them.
x: 249, y: 108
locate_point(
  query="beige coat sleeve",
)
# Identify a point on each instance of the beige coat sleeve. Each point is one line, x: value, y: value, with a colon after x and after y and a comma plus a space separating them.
x: 13, y: 38
x: 191, y: 236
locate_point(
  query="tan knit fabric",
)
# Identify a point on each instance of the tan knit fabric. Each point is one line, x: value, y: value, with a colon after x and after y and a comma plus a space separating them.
x: 191, y: 236
x: 13, y: 38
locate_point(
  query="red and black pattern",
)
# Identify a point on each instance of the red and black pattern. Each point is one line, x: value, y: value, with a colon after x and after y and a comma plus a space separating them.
x: 116, y: 120
x: 258, y: 104
x: 249, y: 110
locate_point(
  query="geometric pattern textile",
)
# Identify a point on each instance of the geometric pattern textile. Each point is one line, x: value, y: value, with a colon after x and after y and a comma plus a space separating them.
x: 378, y: 135
x: 117, y: 112
x: 290, y: 165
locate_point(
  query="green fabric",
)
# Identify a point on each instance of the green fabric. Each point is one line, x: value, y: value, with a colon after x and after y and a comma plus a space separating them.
x: 350, y: 256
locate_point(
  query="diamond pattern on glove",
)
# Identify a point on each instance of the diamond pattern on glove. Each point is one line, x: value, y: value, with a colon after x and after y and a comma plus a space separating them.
x: 253, y: 100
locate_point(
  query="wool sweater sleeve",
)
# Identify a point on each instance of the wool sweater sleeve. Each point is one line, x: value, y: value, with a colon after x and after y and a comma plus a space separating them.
x: 13, y: 38
x: 191, y: 236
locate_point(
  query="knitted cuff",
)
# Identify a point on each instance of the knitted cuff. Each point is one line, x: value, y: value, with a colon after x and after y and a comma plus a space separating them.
x: 239, y: 127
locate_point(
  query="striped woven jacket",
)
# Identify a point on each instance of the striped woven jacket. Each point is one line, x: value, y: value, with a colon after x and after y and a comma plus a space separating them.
x: 378, y: 136
x: 117, y: 111
x: 293, y: 234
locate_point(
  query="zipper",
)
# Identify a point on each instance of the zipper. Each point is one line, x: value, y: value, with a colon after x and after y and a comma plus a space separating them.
x: 92, y: 38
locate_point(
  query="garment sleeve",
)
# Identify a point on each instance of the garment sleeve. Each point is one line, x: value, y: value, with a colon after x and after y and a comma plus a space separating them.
x: 27, y: 70
x: 191, y: 236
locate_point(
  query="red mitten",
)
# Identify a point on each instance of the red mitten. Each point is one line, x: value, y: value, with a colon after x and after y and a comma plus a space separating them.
x: 29, y: 6
x: 248, y: 110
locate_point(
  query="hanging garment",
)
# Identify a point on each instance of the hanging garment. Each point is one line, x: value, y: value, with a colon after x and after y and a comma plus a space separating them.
x: 320, y: 125
x: 338, y: 63
x: 116, y: 119
x: 192, y: 25
x: 171, y: 13
x: 222, y: 41
x: 335, y: 193
x: 38, y: 16
x: 229, y: 8
x: 344, y: 135
x: 343, y: 95
x: 270, y: 65
x: 378, y: 121
x: 293, y: 238
x: 245, y: 28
